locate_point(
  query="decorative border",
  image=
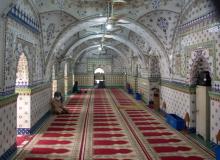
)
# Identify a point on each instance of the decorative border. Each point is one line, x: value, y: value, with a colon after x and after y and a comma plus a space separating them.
x: 186, y: 28
x: 5, y: 100
x: 33, y: 90
x: 24, y: 19
x: 190, y: 89
x: 149, y: 78
x: 9, y: 90
x: 214, y: 95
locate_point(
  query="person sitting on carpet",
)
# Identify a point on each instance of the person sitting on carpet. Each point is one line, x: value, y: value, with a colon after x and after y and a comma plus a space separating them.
x: 76, y: 88
x: 57, y: 105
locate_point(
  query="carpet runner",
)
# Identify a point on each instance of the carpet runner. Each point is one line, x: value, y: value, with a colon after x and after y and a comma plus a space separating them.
x: 164, y: 142
x: 60, y: 138
x: 108, y: 125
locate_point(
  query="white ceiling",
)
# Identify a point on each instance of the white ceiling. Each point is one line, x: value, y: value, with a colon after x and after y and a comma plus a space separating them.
x: 151, y: 27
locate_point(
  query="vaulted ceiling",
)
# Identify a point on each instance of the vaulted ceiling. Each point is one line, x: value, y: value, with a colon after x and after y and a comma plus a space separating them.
x: 145, y: 26
x: 73, y: 27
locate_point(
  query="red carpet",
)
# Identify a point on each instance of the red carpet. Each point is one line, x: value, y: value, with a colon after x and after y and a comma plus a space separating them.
x: 151, y: 128
x: 146, y: 123
x: 111, y: 151
x: 63, y: 124
x: 171, y: 149
x: 101, y: 127
x: 52, y: 142
x: 105, y: 135
x: 158, y: 135
x: 48, y: 151
x: 56, y: 135
x: 107, y: 142
x: 160, y: 140
x: 107, y: 129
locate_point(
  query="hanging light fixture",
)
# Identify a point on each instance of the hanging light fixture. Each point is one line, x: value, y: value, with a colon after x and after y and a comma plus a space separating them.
x: 100, y: 48
x: 108, y: 26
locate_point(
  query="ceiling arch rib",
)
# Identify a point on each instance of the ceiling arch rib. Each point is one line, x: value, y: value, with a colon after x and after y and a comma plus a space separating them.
x: 145, y: 33
x: 77, y: 56
x: 70, y: 31
x: 76, y: 27
x: 91, y: 51
x: 149, y: 37
x: 162, y: 23
x: 115, y: 37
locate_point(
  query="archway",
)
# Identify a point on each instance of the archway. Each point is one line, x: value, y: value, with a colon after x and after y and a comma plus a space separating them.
x: 99, y: 78
x: 22, y: 74
x: 23, y: 100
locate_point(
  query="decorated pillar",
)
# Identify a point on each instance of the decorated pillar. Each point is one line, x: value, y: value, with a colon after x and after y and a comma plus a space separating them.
x: 54, y: 81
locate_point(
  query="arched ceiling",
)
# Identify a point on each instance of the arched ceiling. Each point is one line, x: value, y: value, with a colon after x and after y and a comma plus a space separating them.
x: 115, y: 52
x: 115, y: 37
x: 88, y: 8
x: 146, y: 26
x: 75, y: 28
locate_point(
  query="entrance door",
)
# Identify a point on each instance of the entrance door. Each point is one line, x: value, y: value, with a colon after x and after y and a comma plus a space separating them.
x: 99, y: 78
x: 203, y: 112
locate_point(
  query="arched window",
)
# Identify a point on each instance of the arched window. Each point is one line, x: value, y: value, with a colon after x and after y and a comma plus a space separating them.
x: 22, y: 75
x: 99, y: 70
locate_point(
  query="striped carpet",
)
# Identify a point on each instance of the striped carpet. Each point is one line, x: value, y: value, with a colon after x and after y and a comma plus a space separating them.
x: 109, y: 125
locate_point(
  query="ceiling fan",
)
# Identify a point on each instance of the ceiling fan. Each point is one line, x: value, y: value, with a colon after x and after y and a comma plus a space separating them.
x: 113, y: 18
x: 105, y: 33
x: 111, y: 25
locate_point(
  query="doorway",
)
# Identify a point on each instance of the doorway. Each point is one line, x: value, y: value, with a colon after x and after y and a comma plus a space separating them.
x: 99, y: 78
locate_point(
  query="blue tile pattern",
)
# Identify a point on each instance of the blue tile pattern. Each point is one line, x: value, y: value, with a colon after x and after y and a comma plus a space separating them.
x: 24, y: 19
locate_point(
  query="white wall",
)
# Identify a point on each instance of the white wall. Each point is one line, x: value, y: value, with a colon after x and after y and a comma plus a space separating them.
x: 40, y: 104
x: 179, y: 103
x: 214, y: 118
x: 8, y: 124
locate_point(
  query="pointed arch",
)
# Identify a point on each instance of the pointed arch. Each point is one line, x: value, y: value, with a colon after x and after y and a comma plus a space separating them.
x: 199, y: 62
x: 22, y: 74
x: 99, y: 70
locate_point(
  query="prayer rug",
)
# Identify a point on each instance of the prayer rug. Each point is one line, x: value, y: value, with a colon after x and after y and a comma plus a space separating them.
x: 157, y: 137
x: 102, y: 127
